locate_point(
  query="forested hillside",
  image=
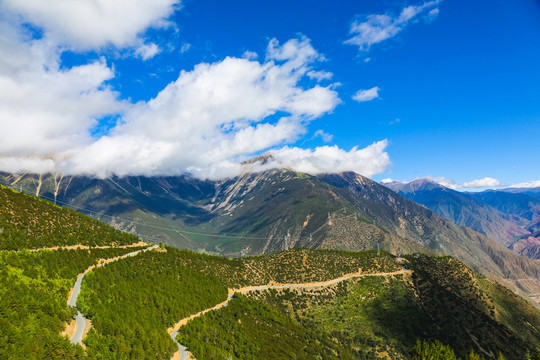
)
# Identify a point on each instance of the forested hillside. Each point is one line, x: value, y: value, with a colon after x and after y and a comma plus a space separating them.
x: 27, y: 222
x: 34, y: 288
x: 261, y: 213
x: 441, y: 300
x: 34, y: 285
x: 133, y: 302
x: 292, y: 266
x: 251, y: 330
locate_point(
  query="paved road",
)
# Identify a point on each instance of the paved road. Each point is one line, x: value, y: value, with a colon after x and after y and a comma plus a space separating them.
x: 80, y: 319
x: 184, y: 352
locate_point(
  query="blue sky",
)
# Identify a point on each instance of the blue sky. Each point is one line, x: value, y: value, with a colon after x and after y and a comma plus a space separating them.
x: 454, y: 88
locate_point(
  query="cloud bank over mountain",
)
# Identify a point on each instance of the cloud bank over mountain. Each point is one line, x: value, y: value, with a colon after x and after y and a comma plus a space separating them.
x: 205, y: 122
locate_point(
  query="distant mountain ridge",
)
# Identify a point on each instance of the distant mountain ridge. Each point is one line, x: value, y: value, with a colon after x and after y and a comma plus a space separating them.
x: 510, y: 216
x: 259, y: 213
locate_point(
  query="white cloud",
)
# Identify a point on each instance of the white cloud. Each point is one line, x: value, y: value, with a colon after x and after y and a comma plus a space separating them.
x: 482, y: 183
x: 89, y: 24
x: 529, y: 184
x: 486, y: 182
x: 37, y: 165
x: 366, y: 95
x: 48, y: 110
x: 441, y: 180
x: 204, y: 123
x: 324, y: 136
x: 147, y: 51
x: 319, y: 75
x: 213, y: 116
x: 387, y: 181
x: 328, y: 159
x: 377, y: 28
x: 185, y: 48
x: 432, y: 15
x: 251, y: 55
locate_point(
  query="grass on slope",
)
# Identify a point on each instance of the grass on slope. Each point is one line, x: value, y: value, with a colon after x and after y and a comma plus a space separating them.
x: 512, y: 311
x: 464, y: 311
x: 27, y: 222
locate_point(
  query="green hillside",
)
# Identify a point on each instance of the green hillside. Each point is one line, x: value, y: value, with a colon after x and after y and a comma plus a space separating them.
x: 27, y: 222
x: 251, y: 330
x: 260, y: 213
x: 34, y: 286
x: 291, y: 266
x: 150, y: 292
x: 132, y: 302
x: 442, y: 300
x: 34, y: 290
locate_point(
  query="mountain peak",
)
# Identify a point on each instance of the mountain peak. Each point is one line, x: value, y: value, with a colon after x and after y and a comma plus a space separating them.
x: 412, y: 186
x: 263, y: 159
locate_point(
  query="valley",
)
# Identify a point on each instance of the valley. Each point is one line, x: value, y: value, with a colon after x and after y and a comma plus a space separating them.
x: 259, y: 213
x: 306, y: 302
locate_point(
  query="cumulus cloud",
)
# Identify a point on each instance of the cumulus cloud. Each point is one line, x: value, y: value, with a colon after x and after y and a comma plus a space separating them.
x: 367, y: 95
x: 147, y: 51
x: 324, y: 136
x: 213, y: 116
x: 89, y: 24
x: 529, y: 184
x: 48, y: 110
x: 482, y: 183
x: 205, y: 122
x: 368, y: 161
x: 374, y: 29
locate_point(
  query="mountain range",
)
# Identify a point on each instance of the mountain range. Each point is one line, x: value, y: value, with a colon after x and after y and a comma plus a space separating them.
x: 259, y: 213
x: 510, y: 216
x: 145, y: 301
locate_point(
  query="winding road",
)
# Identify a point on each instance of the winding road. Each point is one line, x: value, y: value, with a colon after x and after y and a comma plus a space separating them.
x: 183, y: 353
x: 80, y: 319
